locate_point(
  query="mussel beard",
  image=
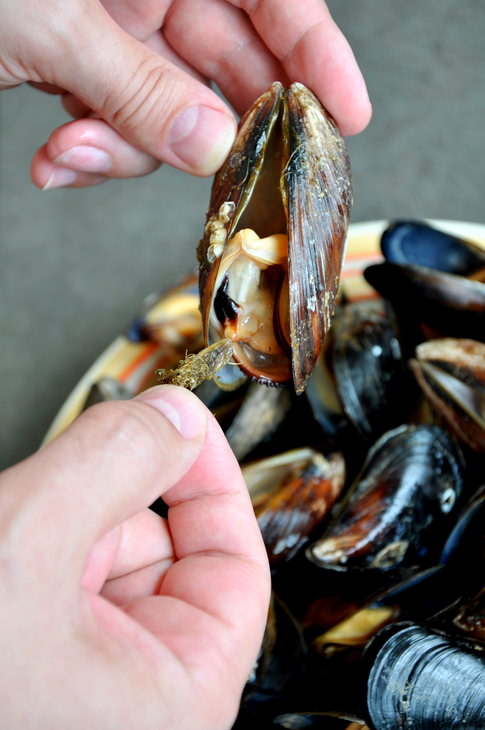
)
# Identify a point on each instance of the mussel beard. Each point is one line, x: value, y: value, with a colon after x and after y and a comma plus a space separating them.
x: 251, y: 305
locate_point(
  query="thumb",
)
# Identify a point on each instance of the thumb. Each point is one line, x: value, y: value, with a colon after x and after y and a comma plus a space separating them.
x: 112, y: 462
x: 154, y: 105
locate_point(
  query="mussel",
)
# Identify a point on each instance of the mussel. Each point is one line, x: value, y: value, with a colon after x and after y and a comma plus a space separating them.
x: 421, y: 244
x: 410, y: 482
x: 272, y: 250
x: 451, y: 373
x: 291, y: 494
x: 171, y: 320
x: 424, y: 679
x: 449, y: 304
x: 368, y: 367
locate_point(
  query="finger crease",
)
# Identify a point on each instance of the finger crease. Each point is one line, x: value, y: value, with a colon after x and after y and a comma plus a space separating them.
x: 128, y: 111
x: 197, y: 497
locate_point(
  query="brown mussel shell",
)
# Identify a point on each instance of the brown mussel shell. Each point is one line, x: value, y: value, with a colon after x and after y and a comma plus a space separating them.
x: 287, y: 174
x: 292, y: 493
x: 451, y: 374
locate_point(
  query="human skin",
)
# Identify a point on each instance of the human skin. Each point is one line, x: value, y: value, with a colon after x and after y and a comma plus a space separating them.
x: 111, y: 616
x: 135, y: 74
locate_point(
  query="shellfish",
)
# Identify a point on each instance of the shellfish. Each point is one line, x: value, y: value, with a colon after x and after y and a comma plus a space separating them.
x: 412, y: 477
x: 272, y: 251
x: 451, y: 373
x: 420, y: 244
x: 412, y: 681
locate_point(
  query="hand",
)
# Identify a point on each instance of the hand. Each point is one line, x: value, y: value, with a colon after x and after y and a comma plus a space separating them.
x: 135, y: 75
x: 111, y: 617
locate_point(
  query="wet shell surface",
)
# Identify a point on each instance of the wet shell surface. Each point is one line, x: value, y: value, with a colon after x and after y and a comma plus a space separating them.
x: 413, y: 681
x: 418, y: 243
x: 412, y: 477
x: 272, y: 251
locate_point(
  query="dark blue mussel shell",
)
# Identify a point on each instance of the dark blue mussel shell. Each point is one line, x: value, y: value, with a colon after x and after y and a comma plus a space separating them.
x: 417, y: 243
x: 423, y: 679
x: 452, y: 305
x: 398, y: 505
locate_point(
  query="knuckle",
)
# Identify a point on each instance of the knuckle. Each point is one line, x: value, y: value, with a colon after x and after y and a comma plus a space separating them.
x: 141, y: 100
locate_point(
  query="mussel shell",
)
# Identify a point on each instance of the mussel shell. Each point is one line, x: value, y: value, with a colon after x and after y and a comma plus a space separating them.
x: 453, y: 306
x: 319, y: 192
x: 409, y: 484
x: 107, y: 389
x: 262, y: 412
x: 311, y: 204
x: 171, y: 319
x: 371, y: 377
x: 422, y: 679
x: 451, y: 374
x: 420, y: 244
x: 292, y: 494
x: 280, y: 662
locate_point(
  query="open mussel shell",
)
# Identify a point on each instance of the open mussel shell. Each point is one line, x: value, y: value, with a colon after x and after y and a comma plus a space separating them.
x: 451, y: 374
x: 272, y: 251
x: 398, y: 504
x: 451, y: 305
x: 419, y: 678
x: 420, y: 244
x: 292, y: 493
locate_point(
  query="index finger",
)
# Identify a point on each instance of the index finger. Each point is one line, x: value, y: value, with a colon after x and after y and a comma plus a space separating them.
x: 313, y: 50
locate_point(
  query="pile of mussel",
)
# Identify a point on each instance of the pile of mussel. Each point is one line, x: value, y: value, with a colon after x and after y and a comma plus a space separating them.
x: 369, y: 490
x: 366, y: 464
x: 370, y: 496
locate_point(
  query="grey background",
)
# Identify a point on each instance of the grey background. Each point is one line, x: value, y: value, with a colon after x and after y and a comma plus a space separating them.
x: 76, y: 264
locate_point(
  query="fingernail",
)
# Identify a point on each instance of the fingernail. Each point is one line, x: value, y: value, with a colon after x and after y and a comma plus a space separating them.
x: 61, y: 177
x: 85, y: 159
x: 201, y: 138
x: 182, y: 408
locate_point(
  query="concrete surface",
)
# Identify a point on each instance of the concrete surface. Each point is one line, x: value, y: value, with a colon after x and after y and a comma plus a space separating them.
x: 75, y: 265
